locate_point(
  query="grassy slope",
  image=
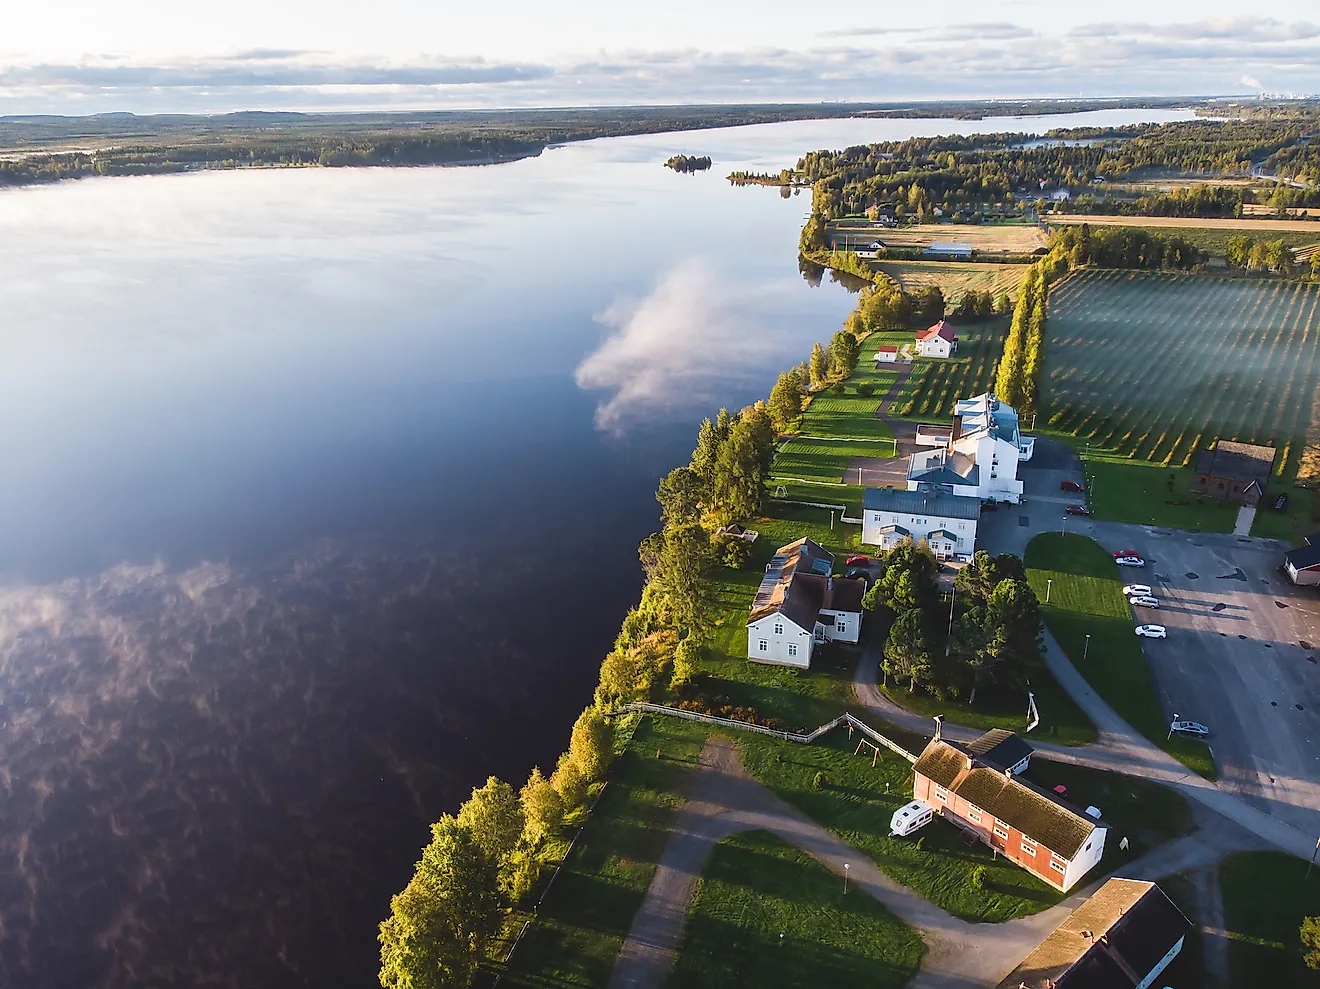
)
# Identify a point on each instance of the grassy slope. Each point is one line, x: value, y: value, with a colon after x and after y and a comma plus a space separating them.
x: 767, y: 915
x: 586, y: 915
x: 826, y: 460
x: 1087, y: 599
x: 1266, y: 895
x: 851, y: 414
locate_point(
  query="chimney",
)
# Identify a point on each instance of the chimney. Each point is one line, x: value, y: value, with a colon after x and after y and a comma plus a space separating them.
x: 829, y: 582
x: 939, y: 726
x: 957, y: 429
x: 1008, y: 774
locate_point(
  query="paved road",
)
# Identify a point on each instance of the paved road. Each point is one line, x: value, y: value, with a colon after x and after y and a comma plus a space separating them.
x: 724, y: 800
x: 1236, y: 657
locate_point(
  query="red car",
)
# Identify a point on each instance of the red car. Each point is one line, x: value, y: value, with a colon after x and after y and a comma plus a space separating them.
x: 1070, y: 486
x: 857, y: 561
x: 1077, y: 510
x: 1125, y: 552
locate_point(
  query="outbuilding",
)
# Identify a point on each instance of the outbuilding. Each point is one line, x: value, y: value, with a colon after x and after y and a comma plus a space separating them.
x: 886, y: 354
x: 950, y: 249
x: 1303, y: 563
x: 1234, y: 471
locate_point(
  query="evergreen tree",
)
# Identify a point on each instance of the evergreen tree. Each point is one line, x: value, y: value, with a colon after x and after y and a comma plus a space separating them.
x: 785, y: 405
x: 819, y: 366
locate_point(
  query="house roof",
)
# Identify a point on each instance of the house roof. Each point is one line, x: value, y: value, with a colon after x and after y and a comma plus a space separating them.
x: 1122, y: 931
x: 950, y: 247
x: 1000, y: 747
x: 887, y: 349
x: 985, y: 414
x: 938, y: 532
x: 943, y: 329
x: 895, y: 528
x: 1305, y: 557
x: 942, y: 467
x: 925, y: 500
x: 1009, y: 798
x: 797, y: 584
x: 1241, y: 462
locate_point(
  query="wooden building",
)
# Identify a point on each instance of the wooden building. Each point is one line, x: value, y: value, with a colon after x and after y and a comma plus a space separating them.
x: 1234, y: 471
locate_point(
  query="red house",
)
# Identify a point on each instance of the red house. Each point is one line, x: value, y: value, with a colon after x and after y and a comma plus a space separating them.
x: 976, y: 786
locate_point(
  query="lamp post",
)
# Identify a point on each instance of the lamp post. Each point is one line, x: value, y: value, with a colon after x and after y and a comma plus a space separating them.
x: 1171, y: 724
x: 948, y: 639
x: 1086, y: 647
x: 846, y: 867
x: 1049, y: 584
x: 1063, y: 526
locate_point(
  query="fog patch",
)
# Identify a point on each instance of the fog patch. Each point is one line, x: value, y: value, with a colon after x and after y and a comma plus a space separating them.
x: 699, y: 332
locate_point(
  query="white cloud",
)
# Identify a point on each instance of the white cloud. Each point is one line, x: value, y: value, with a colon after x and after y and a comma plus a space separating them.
x: 682, y: 346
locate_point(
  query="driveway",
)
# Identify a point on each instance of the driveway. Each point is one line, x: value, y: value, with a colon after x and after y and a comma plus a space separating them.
x: 1237, y: 656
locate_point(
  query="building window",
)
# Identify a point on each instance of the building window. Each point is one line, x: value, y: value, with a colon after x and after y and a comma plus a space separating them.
x: 1028, y: 846
x: 941, y: 794
x: 962, y: 526
x: 792, y: 649
x: 1087, y: 848
x: 779, y: 630
x: 973, y: 815
x: 764, y: 645
x: 1001, y: 831
x: 1057, y: 867
x: 840, y: 624
x: 875, y: 518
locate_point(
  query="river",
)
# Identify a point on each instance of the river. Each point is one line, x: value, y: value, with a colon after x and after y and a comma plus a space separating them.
x: 321, y: 495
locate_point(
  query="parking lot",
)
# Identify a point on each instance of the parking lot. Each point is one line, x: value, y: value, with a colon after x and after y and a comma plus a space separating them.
x: 1239, y: 655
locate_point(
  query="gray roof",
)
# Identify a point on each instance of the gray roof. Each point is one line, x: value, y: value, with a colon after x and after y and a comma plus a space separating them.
x: 924, y: 501
x: 1305, y: 557
x: 1242, y: 462
x: 945, y: 468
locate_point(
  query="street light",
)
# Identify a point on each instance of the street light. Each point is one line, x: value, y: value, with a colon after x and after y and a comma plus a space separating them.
x: 948, y: 639
x: 1086, y: 648
x: 1049, y: 584
x: 846, y: 867
x: 1171, y: 724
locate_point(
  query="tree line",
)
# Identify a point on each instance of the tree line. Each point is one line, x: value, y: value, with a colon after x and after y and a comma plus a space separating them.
x: 1242, y: 251
x: 988, y: 638
x: 688, y: 163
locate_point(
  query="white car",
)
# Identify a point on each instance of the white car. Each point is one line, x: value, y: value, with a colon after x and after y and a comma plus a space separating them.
x: 1137, y: 590
x: 1144, y: 601
x: 1190, y: 727
x: 1130, y: 561
x: 1152, y: 631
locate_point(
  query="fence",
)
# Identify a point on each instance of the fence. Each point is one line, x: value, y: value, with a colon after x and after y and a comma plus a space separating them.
x: 787, y: 736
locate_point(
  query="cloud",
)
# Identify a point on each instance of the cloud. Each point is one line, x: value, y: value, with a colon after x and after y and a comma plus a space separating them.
x: 697, y: 333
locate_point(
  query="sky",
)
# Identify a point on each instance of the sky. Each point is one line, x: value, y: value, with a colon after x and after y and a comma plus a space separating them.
x: 84, y: 56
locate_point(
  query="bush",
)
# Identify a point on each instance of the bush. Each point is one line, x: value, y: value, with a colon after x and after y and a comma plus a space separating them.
x: 736, y: 553
x: 977, y: 878
x: 921, y: 843
x: 818, y: 781
x: 865, y: 388
x: 838, y: 388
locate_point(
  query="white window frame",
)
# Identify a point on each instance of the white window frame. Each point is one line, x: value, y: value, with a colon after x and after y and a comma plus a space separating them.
x: 1028, y: 846
x: 973, y: 815
x: 765, y: 646
x: 840, y: 623
x: 779, y: 629
x: 1001, y: 830
x: 941, y: 794
x: 792, y: 648
x: 1058, y: 867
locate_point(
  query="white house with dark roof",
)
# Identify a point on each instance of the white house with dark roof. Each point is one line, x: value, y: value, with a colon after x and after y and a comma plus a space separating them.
x: 945, y: 521
x: 940, y: 340
x: 799, y: 605
x: 980, y: 459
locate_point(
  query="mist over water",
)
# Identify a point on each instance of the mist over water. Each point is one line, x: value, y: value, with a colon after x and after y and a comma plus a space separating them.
x: 320, y: 502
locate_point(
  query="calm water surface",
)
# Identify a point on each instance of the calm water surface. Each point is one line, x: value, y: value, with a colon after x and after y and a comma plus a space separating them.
x: 320, y: 501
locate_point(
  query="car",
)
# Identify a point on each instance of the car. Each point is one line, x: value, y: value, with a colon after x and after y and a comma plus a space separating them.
x: 858, y: 561
x: 1144, y: 601
x: 1077, y: 510
x: 1152, y: 631
x: 1141, y: 590
x: 1130, y: 561
x: 1070, y: 486
x: 858, y: 573
x: 1190, y: 727
x: 1125, y: 552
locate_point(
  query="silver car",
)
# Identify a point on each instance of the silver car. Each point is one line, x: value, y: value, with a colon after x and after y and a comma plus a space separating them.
x: 1144, y: 601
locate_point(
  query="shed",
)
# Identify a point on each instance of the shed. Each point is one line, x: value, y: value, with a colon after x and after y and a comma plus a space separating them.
x: 886, y: 354
x: 1303, y: 564
x: 949, y: 249
x: 1234, y: 471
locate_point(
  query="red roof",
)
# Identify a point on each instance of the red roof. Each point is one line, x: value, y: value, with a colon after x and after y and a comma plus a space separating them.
x: 943, y: 329
x: 887, y: 350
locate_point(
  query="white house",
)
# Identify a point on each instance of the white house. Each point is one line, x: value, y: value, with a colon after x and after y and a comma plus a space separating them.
x: 947, y: 522
x: 1303, y: 563
x: 799, y: 605
x: 886, y: 354
x: 940, y: 340
x: 980, y: 459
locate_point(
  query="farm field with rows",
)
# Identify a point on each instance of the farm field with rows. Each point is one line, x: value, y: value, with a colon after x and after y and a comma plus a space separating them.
x: 1154, y: 365
x: 955, y: 277
x: 937, y: 384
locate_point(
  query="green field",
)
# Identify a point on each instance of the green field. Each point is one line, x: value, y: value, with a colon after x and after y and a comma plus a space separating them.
x: 937, y: 384
x: 1085, y: 591
x: 955, y: 277
x: 823, y: 459
x: 852, y: 414
x: 1266, y: 895
x: 768, y: 915
x: 1154, y: 365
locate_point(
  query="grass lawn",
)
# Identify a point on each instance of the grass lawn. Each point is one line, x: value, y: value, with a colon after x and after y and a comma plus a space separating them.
x: 767, y: 915
x: 848, y: 495
x: 1297, y: 520
x: 1187, y: 971
x: 825, y: 459
x: 586, y: 916
x: 857, y: 802
x: 1266, y: 895
x: 1061, y: 720
x: 1120, y: 490
x: 851, y: 414
x: 1087, y: 599
x: 1146, y: 813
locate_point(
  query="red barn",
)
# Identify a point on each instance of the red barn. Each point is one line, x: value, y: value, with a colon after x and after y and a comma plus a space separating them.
x: 978, y: 787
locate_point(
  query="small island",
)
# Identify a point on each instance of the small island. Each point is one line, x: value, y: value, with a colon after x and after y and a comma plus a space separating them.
x: 688, y: 163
